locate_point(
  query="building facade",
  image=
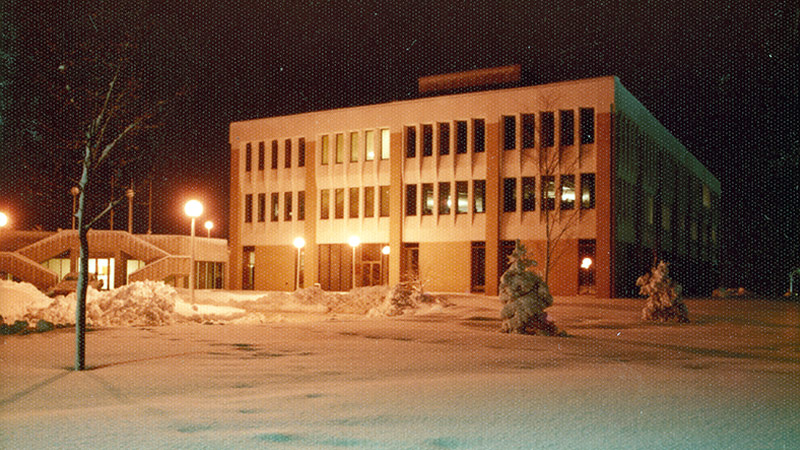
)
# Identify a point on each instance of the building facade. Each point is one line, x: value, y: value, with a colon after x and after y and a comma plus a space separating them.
x: 438, y: 188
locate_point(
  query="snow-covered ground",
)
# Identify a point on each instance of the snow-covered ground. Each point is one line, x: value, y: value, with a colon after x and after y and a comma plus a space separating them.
x: 316, y: 370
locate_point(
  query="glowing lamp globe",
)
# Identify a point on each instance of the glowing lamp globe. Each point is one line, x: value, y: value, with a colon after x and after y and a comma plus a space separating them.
x: 385, y: 250
x: 299, y: 243
x: 193, y: 208
x: 3, y: 219
x: 586, y: 263
x: 354, y: 241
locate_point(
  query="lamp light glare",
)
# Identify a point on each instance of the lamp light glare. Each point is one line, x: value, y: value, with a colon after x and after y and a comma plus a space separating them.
x: 209, y: 225
x: 193, y: 208
x: 299, y: 243
x: 385, y: 250
x: 354, y: 241
x: 3, y: 219
x: 586, y: 263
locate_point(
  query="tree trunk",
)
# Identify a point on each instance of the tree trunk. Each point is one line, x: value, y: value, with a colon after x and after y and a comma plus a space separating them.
x: 83, y: 274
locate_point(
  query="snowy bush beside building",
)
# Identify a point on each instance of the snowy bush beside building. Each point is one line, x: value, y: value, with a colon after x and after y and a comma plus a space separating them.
x: 664, y: 301
x: 525, y: 296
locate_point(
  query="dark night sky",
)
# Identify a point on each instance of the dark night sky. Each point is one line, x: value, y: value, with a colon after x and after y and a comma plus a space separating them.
x: 720, y: 75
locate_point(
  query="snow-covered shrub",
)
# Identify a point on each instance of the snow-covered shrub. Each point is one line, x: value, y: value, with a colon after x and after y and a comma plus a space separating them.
x: 403, y: 297
x: 664, y: 301
x: 525, y: 296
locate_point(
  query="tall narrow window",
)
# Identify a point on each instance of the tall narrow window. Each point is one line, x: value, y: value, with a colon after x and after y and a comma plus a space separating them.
x: 301, y: 152
x: 587, y: 190
x: 509, y: 194
x: 548, y: 124
x: 548, y: 192
x: 338, y: 203
x: 567, y: 119
x: 301, y: 205
x: 461, y: 136
x: 274, y: 211
x: 262, y: 207
x: 427, y: 140
x: 411, y: 200
x: 509, y: 132
x: 248, y: 208
x: 427, y: 199
x: 478, y: 196
x: 411, y: 142
x: 324, y: 204
x: 445, y: 200
x: 567, y: 191
x: 587, y: 125
x: 386, y: 144
x: 384, y: 200
x: 528, y: 130
x: 261, y: 156
x: 528, y: 193
x: 369, y: 137
x: 462, y: 197
x: 248, y: 156
x: 354, y: 149
x: 478, y: 136
x: 369, y: 201
x: 339, y: 148
x: 325, y: 150
x: 274, y: 154
x: 444, y: 138
x: 287, y: 206
x: 354, y: 201
x: 287, y: 153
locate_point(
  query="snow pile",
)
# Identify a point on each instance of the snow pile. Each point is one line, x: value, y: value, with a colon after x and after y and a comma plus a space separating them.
x: 18, y: 300
x: 401, y: 299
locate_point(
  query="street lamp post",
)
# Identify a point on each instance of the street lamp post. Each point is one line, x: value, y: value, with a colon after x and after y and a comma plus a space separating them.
x: 129, y: 194
x: 299, y: 243
x: 209, y: 225
x: 385, y: 252
x: 354, y: 242
x: 74, y: 191
x: 193, y: 209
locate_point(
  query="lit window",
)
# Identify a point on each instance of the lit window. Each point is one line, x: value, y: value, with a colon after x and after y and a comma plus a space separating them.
x: 445, y: 201
x: 385, y: 143
x: 326, y: 149
x: 262, y: 207
x: 587, y: 125
x: 509, y: 132
x: 528, y: 130
x: 369, y: 201
x: 411, y: 142
x: 369, y: 137
x: 528, y: 193
x: 354, y: 150
x: 567, y: 119
x: 587, y: 190
x: 567, y: 191
x: 427, y: 199
x: 706, y: 196
x: 444, y: 138
x: 461, y: 136
x: 478, y: 196
x: 325, y: 204
x: 548, y: 129
x: 339, y: 148
x: 338, y: 203
x: 509, y: 194
x: 411, y: 200
x: 462, y: 197
x: 274, y: 211
x: 548, y: 192
x: 353, y: 202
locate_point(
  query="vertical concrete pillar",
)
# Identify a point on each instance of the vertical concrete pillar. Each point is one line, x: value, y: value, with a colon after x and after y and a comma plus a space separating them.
x: 604, y: 205
x: 311, y: 250
x: 396, y: 159
x: 234, y: 224
x: 493, y: 156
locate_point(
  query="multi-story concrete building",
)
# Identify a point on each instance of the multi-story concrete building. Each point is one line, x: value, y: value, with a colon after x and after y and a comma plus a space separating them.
x: 441, y: 186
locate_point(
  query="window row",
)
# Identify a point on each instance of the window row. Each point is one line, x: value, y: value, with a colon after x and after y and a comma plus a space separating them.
x: 338, y: 146
x: 355, y: 206
x: 548, y: 192
x: 443, y: 200
x: 275, y: 207
x: 466, y: 133
x: 526, y: 123
x: 275, y: 152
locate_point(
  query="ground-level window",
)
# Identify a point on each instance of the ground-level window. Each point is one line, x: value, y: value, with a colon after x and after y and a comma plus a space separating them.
x: 248, y: 268
x: 478, y: 266
x: 586, y: 271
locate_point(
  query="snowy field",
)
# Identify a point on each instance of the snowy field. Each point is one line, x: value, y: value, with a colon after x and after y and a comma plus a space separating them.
x: 328, y: 370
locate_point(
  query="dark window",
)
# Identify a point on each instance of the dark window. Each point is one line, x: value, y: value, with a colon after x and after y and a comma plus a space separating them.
x: 462, y: 197
x: 444, y: 198
x: 301, y: 152
x: 287, y: 163
x: 567, y: 119
x: 369, y: 201
x: 248, y: 156
x: 287, y: 206
x: 444, y: 138
x: 548, y: 129
x: 338, y: 203
x: 548, y: 192
x: 478, y: 136
x: 248, y: 208
x: 461, y: 136
x: 384, y: 200
x: 528, y: 130
x: 567, y: 191
x: 427, y: 199
x: 427, y: 140
x: 411, y: 142
x: 587, y: 125
x: 274, y: 211
x: 411, y: 200
x: 587, y: 190
x: 274, y: 154
x: 324, y: 204
x: 509, y: 132
x: 509, y: 194
x: 301, y: 205
x: 261, y: 156
x: 353, y: 202
x: 478, y: 196
x: 528, y: 193
x: 262, y: 207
